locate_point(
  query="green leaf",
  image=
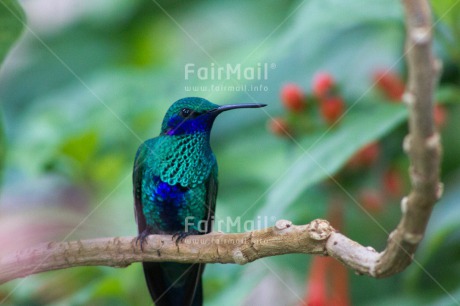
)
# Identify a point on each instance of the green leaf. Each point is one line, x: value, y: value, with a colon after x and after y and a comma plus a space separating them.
x: 322, y: 154
x: 449, y: 12
x: 12, y: 20
x: 81, y: 147
x: 448, y: 94
x: 11, y: 24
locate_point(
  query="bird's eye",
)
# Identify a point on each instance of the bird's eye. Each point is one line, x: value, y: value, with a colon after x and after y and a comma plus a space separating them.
x: 185, y: 112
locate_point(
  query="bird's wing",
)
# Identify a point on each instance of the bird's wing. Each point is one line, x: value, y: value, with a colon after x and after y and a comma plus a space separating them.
x: 211, y: 196
x: 138, y: 172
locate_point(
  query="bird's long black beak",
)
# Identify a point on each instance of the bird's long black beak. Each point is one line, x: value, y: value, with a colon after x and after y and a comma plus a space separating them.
x: 227, y: 107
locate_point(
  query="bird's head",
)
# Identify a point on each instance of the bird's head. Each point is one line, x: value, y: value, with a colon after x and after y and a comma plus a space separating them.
x: 192, y: 115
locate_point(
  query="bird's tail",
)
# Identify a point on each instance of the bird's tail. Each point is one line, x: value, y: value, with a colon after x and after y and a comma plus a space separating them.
x: 174, y: 284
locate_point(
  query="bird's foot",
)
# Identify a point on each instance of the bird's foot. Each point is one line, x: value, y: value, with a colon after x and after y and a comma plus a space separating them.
x: 180, y: 235
x: 142, y: 238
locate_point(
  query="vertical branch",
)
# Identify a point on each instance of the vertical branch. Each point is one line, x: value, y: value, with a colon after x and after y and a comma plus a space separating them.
x: 422, y: 144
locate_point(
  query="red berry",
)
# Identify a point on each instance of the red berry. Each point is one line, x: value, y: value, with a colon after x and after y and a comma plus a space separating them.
x: 331, y: 109
x: 393, y: 182
x: 279, y: 127
x: 371, y: 200
x: 440, y: 115
x: 366, y: 156
x: 293, y: 98
x: 322, y: 84
x: 390, y: 84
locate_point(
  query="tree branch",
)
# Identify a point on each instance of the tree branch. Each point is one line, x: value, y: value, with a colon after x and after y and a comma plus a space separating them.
x: 422, y: 145
x: 216, y: 247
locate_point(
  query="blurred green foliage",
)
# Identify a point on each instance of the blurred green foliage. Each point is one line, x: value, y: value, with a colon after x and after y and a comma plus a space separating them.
x: 80, y: 93
x: 12, y: 19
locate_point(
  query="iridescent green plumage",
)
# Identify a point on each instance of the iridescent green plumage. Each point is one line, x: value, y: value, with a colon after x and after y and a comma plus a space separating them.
x: 186, y: 162
x: 175, y: 189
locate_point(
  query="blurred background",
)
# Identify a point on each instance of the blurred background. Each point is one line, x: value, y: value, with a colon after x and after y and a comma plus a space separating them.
x: 87, y: 81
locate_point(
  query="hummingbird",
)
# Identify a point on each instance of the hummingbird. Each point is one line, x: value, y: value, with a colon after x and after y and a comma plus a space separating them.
x: 175, y: 189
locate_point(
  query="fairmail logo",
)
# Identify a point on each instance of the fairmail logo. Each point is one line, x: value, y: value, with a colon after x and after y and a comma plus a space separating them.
x: 215, y: 72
